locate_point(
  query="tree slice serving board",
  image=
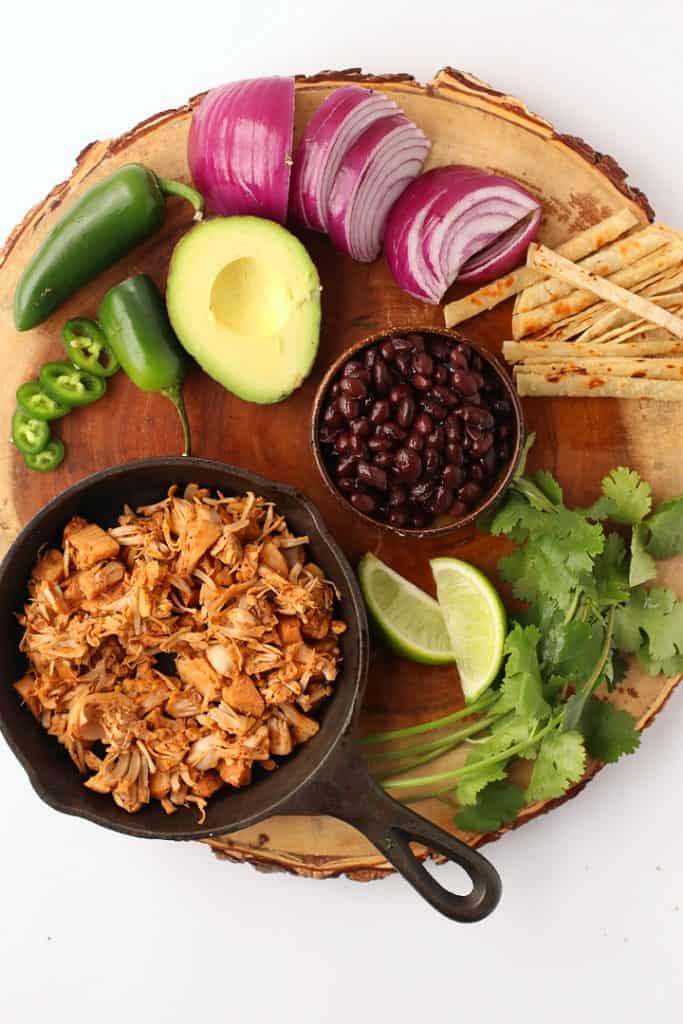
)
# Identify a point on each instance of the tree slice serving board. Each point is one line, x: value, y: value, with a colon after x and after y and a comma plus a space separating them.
x: 579, y: 440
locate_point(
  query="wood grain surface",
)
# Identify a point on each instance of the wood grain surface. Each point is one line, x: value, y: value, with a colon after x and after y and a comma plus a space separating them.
x: 579, y: 440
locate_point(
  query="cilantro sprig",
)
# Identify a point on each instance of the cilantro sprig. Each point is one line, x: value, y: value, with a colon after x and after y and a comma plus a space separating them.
x: 587, y: 607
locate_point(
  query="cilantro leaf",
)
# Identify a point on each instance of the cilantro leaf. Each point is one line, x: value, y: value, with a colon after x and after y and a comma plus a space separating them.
x: 652, y: 616
x: 498, y: 804
x: 665, y: 527
x: 643, y: 566
x: 561, y: 760
x: 608, y: 731
x: 549, y: 485
x: 609, y: 582
x: 469, y: 787
x: 522, y: 689
x: 625, y: 498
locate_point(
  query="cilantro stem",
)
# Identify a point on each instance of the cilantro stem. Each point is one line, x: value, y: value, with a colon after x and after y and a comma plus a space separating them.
x: 431, y: 756
x: 472, y: 769
x: 596, y: 675
x: 436, y: 723
x: 534, y: 495
x: 452, y: 739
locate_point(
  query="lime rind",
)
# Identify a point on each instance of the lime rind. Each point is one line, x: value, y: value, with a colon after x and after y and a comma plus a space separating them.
x: 476, y: 621
x: 410, y: 621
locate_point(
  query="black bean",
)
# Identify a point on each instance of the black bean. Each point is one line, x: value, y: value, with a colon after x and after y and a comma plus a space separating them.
x: 371, y: 357
x: 328, y: 434
x: 357, y: 445
x: 399, y: 392
x: 416, y: 441
x: 423, y: 364
x: 352, y: 369
x: 489, y: 462
x: 346, y: 466
x: 459, y: 360
x: 453, y: 476
x: 384, y: 460
x: 402, y: 345
x: 444, y: 395
x: 443, y: 499
x: 405, y: 411
x: 504, y: 430
x: 477, y: 473
x: 458, y: 509
x: 503, y: 453
x: 354, y: 387
x: 422, y: 492
x: 478, y: 379
x: 454, y: 453
x: 481, y: 445
x: 502, y: 408
x: 373, y: 476
x: 332, y: 416
x: 437, y: 437
x: 380, y: 411
x: 346, y: 483
x: 403, y: 362
x: 439, y: 349
x: 418, y: 519
x: 398, y: 496
x: 476, y: 362
x: 453, y: 428
x: 421, y: 382
x: 477, y: 417
x: 424, y: 423
x: 381, y: 377
x: 407, y: 465
x: 363, y: 502
x: 387, y: 350
x: 431, y: 461
x: 435, y: 409
x: 380, y: 444
x: 417, y: 342
x: 440, y: 375
x: 464, y: 382
x: 392, y: 431
x: 343, y: 442
x: 349, y: 407
x: 360, y: 427
x: 470, y: 493
x: 398, y: 517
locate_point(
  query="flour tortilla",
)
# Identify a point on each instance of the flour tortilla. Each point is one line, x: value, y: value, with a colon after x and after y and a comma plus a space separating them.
x: 661, y: 344
x: 614, y: 366
x: 576, y: 248
x: 581, y: 385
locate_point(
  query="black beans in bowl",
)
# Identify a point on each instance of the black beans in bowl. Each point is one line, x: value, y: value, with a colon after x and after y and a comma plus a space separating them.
x: 417, y: 430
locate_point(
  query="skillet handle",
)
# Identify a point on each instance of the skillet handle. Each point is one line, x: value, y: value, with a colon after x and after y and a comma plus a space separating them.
x: 390, y: 826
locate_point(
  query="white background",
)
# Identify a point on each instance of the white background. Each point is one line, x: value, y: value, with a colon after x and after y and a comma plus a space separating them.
x: 96, y: 927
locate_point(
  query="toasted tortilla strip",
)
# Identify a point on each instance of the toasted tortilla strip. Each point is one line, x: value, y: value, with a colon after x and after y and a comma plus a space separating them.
x: 660, y: 343
x: 634, y: 327
x: 576, y: 248
x: 545, y: 259
x: 615, y: 366
x: 616, y: 318
x: 580, y: 385
x: 603, y: 263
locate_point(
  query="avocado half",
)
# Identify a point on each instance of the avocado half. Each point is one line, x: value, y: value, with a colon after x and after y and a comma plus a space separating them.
x: 243, y: 296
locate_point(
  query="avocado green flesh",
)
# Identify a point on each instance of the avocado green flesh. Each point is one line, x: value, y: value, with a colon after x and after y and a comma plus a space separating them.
x: 243, y: 297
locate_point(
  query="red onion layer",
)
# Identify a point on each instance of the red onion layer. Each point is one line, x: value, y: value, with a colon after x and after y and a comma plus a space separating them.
x: 332, y: 130
x: 240, y: 145
x: 373, y: 173
x: 458, y: 223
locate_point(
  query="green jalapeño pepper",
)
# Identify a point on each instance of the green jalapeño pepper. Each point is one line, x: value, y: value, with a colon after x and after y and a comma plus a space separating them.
x: 135, y: 323
x: 30, y: 436
x: 51, y: 456
x: 103, y: 225
x: 86, y: 347
x: 35, y: 402
x: 71, y: 386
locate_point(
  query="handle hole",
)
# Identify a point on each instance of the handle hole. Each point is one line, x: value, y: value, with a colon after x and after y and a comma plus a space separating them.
x: 458, y: 880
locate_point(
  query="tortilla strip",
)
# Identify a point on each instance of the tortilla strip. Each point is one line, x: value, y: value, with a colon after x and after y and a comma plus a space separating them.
x: 580, y: 385
x: 545, y: 259
x: 659, y: 344
x: 619, y: 366
x: 603, y: 263
x: 576, y: 248
x: 631, y: 329
x: 614, y: 318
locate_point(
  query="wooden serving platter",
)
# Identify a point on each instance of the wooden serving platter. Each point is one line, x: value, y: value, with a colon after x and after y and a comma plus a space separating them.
x: 579, y: 440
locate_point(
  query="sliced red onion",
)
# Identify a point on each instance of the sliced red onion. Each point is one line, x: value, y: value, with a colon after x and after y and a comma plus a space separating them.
x: 371, y: 176
x: 332, y: 130
x: 458, y: 223
x: 240, y: 147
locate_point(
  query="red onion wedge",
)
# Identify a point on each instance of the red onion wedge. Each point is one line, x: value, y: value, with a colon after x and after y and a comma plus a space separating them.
x: 458, y: 223
x: 373, y: 173
x: 240, y: 146
x: 332, y: 130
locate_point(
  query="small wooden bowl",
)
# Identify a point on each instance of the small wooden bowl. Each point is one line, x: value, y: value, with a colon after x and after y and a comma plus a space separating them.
x: 445, y: 525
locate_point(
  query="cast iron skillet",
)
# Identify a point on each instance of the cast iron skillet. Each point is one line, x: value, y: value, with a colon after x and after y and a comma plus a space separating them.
x: 325, y: 775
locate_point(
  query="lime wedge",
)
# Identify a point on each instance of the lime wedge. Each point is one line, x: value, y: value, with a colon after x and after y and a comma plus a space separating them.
x: 476, y: 622
x: 410, y: 621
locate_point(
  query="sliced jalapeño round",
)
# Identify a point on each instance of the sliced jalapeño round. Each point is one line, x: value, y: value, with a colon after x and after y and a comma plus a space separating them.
x: 70, y: 385
x: 29, y: 434
x: 35, y: 402
x: 87, y: 348
x: 51, y: 456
